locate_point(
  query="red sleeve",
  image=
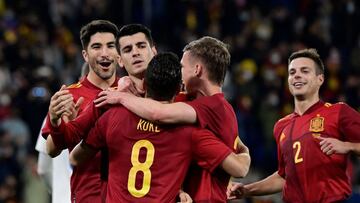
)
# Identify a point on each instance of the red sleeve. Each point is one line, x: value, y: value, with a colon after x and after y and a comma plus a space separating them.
x: 68, y: 135
x: 55, y: 132
x: 97, y: 135
x: 45, y: 131
x: 349, y: 123
x: 204, y: 110
x: 208, y: 150
x: 281, y: 165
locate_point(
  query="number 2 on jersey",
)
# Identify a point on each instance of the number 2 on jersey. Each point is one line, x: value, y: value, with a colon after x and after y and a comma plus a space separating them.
x: 144, y: 167
x: 297, y: 146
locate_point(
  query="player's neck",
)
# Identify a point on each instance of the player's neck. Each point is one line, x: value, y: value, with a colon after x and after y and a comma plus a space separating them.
x: 138, y: 82
x: 99, y: 82
x: 208, y: 89
x: 302, y: 105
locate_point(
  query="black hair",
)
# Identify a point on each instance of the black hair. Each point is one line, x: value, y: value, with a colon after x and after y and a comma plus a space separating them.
x: 94, y: 27
x: 163, y: 76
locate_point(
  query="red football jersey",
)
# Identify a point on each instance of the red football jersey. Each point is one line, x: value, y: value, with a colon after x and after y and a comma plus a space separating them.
x: 86, y: 184
x: 216, y: 114
x: 311, y: 175
x: 148, y: 162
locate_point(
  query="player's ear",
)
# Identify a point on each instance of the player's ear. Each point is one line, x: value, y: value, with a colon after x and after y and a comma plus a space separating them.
x: 321, y: 79
x: 85, y: 55
x: 120, y: 61
x: 153, y: 49
x: 198, y: 70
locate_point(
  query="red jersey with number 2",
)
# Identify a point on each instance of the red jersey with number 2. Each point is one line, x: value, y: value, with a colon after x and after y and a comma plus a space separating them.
x: 311, y: 175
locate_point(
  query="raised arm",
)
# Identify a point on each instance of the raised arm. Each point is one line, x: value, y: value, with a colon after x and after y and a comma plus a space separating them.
x: 61, y: 108
x: 71, y: 133
x: 177, y: 112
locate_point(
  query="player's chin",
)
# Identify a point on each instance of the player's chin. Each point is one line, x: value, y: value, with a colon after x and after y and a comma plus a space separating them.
x: 107, y: 75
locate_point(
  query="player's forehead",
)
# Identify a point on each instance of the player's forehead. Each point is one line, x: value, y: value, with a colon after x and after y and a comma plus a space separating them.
x: 185, y: 57
x: 130, y: 40
x: 102, y: 37
x: 301, y: 62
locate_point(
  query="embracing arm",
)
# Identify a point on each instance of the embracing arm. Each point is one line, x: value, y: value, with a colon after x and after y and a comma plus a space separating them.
x: 81, y: 153
x: 178, y: 112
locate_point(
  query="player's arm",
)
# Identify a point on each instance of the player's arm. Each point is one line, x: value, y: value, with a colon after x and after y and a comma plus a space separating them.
x: 72, y: 132
x: 156, y: 111
x: 237, y: 165
x: 81, y: 153
x: 61, y: 109
x: 89, y: 146
x: 62, y: 105
x: 331, y: 145
x: 51, y: 148
x: 349, y: 126
x: 210, y: 152
x: 242, y: 157
x: 354, y: 148
x: 270, y: 185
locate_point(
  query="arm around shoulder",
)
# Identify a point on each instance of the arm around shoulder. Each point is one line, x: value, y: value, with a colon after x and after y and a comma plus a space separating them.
x: 156, y: 111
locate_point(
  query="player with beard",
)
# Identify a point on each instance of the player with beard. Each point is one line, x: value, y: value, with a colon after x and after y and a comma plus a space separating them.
x: 98, y: 39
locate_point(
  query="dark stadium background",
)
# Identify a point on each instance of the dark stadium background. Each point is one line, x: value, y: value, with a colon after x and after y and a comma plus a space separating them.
x: 40, y: 50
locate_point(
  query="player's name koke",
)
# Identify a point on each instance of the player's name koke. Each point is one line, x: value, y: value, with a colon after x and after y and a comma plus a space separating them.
x: 147, y: 126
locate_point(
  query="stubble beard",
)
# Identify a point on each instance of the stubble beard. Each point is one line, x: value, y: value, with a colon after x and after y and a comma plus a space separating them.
x: 104, y: 75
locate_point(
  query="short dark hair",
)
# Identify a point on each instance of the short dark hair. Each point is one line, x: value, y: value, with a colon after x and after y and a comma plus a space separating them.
x: 94, y: 27
x: 131, y: 29
x: 311, y: 54
x: 214, y: 54
x: 163, y: 76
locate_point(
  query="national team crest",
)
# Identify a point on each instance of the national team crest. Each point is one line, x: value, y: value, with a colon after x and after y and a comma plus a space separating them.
x: 317, y: 124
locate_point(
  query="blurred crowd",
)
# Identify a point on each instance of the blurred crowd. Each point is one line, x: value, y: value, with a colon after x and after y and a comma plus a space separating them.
x: 40, y: 50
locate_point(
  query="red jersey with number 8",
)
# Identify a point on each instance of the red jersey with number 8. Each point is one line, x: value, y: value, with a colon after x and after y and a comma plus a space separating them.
x: 148, y: 162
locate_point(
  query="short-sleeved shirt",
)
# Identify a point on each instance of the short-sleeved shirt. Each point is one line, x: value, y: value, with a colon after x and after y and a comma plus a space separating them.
x: 148, y: 162
x: 217, y: 115
x: 310, y: 175
x: 86, y: 184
